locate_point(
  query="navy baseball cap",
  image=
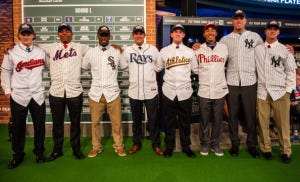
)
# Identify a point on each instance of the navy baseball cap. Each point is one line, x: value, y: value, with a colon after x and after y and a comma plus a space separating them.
x: 273, y: 23
x: 178, y: 26
x: 239, y: 13
x: 103, y: 30
x: 212, y: 25
x: 64, y: 25
x: 138, y: 28
x: 25, y: 27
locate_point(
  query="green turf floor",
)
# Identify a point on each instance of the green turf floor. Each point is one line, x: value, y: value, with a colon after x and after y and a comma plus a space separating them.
x: 144, y: 165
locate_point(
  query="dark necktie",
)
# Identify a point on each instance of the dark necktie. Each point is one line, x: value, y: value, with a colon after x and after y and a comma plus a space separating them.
x: 65, y: 46
x: 269, y: 46
x: 28, y: 49
x: 177, y: 47
x: 103, y: 49
x: 140, y: 47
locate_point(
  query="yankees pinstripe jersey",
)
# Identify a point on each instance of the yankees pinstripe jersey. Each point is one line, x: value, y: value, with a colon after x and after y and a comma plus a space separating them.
x: 142, y: 75
x: 212, y: 81
x: 276, y: 70
x: 65, y: 68
x: 21, y: 74
x: 241, y: 65
x: 104, y: 68
x: 178, y: 64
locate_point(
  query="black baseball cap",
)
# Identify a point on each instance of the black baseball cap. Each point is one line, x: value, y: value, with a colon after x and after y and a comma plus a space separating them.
x: 103, y: 30
x: 178, y: 26
x: 64, y: 25
x: 239, y: 13
x: 273, y: 23
x: 25, y: 27
x: 138, y: 28
x: 212, y: 25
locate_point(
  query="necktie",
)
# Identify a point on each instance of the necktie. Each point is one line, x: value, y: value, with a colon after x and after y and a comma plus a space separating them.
x: 65, y: 46
x: 140, y: 47
x: 103, y: 49
x: 177, y: 47
x: 28, y: 49
x: 269, y: 46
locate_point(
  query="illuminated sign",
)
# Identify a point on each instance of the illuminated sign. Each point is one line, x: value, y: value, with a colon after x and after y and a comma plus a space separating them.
x: 291, y: 2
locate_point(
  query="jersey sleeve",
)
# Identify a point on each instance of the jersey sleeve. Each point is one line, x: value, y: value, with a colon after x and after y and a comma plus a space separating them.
x: 6, y: 74
x: 86, y: 61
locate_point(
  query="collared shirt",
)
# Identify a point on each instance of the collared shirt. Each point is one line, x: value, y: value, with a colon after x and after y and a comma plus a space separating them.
x: 241, y: 64
x: 141, y: 66
x: 21, y: 74
x: 65, y: 68
x: 104, y: 68
x: 178, y: 64
x: 212, y: 81
x: 275, y: 69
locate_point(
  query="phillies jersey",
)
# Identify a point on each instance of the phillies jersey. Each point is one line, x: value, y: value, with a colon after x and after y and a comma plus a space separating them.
x: 212, y: 81
x: 21, y: 74
x: 65, y: 68
x: 140, y: 61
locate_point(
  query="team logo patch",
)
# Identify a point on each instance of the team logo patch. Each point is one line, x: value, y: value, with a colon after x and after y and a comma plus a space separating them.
x: 111, y: 62
x: 249, y: 44
x: 176, y: 61
x: 30, y: 64
x: 276, y: 61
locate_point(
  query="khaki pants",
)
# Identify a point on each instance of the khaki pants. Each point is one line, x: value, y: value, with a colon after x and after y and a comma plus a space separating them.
x: 281, y: 108
x: 114, y: 111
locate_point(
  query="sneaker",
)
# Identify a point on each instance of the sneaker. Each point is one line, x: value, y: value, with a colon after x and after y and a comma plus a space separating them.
x: 217, y: 151
x: 204, y: 150
x: 121, y: 152
x: 94, y: 152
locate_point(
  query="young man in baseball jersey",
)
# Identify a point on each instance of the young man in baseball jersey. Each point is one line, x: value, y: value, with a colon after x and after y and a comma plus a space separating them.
x: 178, y: 61
x: 276, y: 71
x: 21, y: 79
x: 140, y: 59
x: 212, y: 57
x: 103, y: 61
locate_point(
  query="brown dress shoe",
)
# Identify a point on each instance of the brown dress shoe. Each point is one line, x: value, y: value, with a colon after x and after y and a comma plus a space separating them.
x: 158, y: 151
x: 134, y: 149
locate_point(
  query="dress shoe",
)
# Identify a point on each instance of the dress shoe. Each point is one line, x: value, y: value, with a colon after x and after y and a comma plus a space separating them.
x: 54, y: 156
x: 121, y: 152
x: 95, y: 152
x: 267, y: 155
x: 41, y: 158
x: 253, y: 152
x: 168, y: 153
x: 134, y: 149
x: 189, y: 153
x: 234, y: 151
x: 78, y: 155
x: 158, y: 151
x: 286, y: 159
x: 14, y: 163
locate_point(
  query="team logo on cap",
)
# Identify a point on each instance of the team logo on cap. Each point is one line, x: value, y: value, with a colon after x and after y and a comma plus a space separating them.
x: 273, y: 22
x: 104, y: 28
x: 239, y: 12
x: 139, y: 27
x: 25, y: 26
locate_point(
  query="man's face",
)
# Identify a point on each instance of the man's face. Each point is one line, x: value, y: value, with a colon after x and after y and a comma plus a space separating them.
x: 272, y: 33
x: 239, y: 23
x: 65, y: 35
x: 177, y: 36
x: 27, y: 38
x: 103, y: 39
x: 210, y: 35
x: 138, y: 37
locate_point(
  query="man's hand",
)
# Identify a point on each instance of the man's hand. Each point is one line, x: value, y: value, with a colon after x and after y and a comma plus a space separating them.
x: 8, y: 47
x: 196, y: 46
x: 290, y: 48
x: 117, y: 47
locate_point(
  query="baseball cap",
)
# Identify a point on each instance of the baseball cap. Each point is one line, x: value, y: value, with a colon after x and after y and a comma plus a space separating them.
x: 273, y: 23
x: 177, y: 26
x: 138, y: 28
x: 212, y: 25
x: 103, y: 30
x: 25, y: 27
x: 64, y: 25
x: 239, y: 13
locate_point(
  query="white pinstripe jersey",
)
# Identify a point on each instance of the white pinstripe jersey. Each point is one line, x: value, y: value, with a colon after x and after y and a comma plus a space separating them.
x: 212, y: 81
x: 104, y: 68
x: 275, y: 69
x: 178, y: 64
x: 65, y: 68
x: 141, y: 66
x: 21, y: 74
x: 241, y: 64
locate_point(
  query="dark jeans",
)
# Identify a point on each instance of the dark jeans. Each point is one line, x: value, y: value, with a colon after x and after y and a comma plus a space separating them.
x: 58, y: 106
x: 211, y: 111
x: 177, y: 113
x: 246, y: 95
x: 19, y: 114
x: 153, y: 122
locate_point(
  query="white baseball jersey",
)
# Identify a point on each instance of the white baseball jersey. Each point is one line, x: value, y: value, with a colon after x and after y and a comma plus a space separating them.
x: 104, y: 68
x: 141, y: 66
x: 65, y: 68
x: 241, y: 64
x: 275, y: 69
x: 212, y: 81
x: 178, y: 64
x: 21, y: 74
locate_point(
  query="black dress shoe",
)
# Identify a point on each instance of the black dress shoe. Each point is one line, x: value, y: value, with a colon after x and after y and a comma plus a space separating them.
x: 189, y: 153
x: 168, y: 153
x: 78, y: 155
x: 267, y: 155
x: 14, y: 163
x: 286, y: 159
x: 234, y: 151
x: 41, y: 158
x: 253, y: 152
x: 54, y: 156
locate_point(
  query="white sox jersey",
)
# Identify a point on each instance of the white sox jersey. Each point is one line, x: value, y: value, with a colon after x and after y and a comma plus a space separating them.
x: 104, y: 68
x: 65, y: 68
x: 21, y: 74
x: 141, y: 66
x: 178, y: 64
x: 275, y: 69
x: 241, y: 64
x: 212, y: 81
